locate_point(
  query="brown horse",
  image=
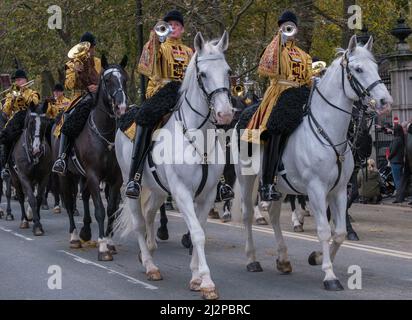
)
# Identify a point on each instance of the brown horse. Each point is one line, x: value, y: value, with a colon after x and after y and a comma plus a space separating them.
x: 94, y: 150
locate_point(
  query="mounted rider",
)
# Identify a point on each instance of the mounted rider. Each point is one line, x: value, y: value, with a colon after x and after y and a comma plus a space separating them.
x: 287, y: 66
x: 58, y: 103
x: 17, y: 100
x: 82, y: 77
x: 161, y: 62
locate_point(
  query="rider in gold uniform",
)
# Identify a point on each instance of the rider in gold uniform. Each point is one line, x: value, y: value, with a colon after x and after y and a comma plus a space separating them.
x: 59, y: 103
x: 83, y: 80
x: 161, y: 63
x: 287, y: 66
x: 15, y: 103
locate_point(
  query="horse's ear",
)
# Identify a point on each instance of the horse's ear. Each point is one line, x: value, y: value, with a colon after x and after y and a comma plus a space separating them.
x: 123, y: 64
x: 105, y: 64
x: 224, y: 42
x: 353, y: 42
x: 199, y: 42
x: 369, y: 44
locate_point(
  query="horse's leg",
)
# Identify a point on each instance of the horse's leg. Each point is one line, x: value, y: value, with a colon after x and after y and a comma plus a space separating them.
x: 67, y: 192
x: 33, y: 202
x: 282, y: 262
x: 162, y: 232
x: 337, y: 204
x: 151, y: 207
x: 247, y: 184
x: 9, y: 215
x: 44, y: 204
x: 185, y: 203
x: 152, y: 271
x: 113, y: 197
x: 86, y: 231
x: 317, y: 198
x: 297, y: 216
x: 100, y: 214
x: 55, y: 188
x: 24, y: 224
x: 41, y: 191
x: 1, y: 195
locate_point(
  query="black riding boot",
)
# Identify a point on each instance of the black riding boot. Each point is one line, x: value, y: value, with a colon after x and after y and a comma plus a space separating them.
x: 268, y: 191
x: 60, y: 165
x: 141, y: 145
x: 4, y: 157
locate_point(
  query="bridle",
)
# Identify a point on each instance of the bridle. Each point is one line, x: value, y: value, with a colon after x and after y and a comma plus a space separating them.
x: 208, y: 95
x: 28, y: 140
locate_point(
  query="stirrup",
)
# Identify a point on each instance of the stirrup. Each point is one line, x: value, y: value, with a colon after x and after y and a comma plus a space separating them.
x: 59, y: 166
x: 133, y: 189
x: 225, y: 193
x: 269, y: 193
x: 5, y: 174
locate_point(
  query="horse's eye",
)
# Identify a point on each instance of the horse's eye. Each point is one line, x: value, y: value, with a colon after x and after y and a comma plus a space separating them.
x: 203, y: 75
x: 359, y: 70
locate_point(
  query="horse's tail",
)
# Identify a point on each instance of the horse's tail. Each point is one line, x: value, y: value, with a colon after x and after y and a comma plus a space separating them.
x: 126, y: 222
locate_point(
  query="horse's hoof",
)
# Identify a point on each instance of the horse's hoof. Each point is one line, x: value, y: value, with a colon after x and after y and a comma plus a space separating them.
x: 38, y: 231
x: 226, y: 218
x: 76, y: 213
x: 209, y: 294
x: 24, y: 225
x: 332, y: 285
x: 85, y: 234
x: 44, y: 207
x: 57, y: 210
x: 298, y: 228
x: 261, y: 221
x: 213, y: 214
x: 104, y: 256
x: 312, y: 258
x: 75, y: 244
x: 352, y: 236
x: 284, y: 266
x: 10, y: 217
x: 112, y: 249
x: 254, y: 267
x: 162, y: 233
x: 186, y: 241
x: 154, y: 275
x: 194, y: 285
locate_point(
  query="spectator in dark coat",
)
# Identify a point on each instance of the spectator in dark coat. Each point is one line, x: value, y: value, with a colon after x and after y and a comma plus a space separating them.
x: 397, y: 156
x: 369, y: 183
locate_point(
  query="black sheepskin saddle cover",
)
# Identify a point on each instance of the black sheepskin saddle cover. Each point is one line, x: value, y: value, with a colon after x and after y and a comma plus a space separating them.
x: 245, y: 117
x: 14, y: 128
x: 288, y: 113
x: 75, y: 121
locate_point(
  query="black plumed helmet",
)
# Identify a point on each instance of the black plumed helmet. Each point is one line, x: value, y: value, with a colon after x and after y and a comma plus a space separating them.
x: 19, y: 74
x: 174, y: 15
x: 89, y: 37
x: 58, y: 87
x: 287, y: 16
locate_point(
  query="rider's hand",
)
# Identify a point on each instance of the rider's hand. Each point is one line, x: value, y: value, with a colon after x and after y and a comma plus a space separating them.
x: 92, y: 88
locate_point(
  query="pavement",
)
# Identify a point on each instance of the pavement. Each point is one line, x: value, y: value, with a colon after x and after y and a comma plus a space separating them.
x: 29, y: 265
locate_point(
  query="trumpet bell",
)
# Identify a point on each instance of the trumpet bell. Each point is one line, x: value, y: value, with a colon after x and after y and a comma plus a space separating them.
x: 289, y: 29
x: 79, y: 50
x: 163, y: 30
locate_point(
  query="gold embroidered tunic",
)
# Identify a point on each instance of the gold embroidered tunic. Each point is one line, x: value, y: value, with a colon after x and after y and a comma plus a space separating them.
x: 58, y: 105
x: 286, y: 67
x: 13, y: 104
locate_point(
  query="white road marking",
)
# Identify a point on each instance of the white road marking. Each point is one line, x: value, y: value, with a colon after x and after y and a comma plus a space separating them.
x: 355, y: 246
x: 110, y: 271
x: 16, y: 234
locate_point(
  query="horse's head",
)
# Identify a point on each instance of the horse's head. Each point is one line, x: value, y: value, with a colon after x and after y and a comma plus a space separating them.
x: 35, y: 125
x: 362, y: 80
x: 213, y: 73
x: 113, y: 85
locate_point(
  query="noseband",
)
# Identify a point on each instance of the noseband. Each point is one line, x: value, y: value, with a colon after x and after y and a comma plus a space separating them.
x: 28, y: 141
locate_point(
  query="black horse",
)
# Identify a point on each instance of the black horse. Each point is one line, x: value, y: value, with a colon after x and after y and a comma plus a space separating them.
x: 94, y: 150
x: 32, y: 161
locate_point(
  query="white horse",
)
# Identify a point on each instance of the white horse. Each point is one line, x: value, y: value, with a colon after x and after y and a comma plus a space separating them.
x: 317, y: 158
x: 204, y: 102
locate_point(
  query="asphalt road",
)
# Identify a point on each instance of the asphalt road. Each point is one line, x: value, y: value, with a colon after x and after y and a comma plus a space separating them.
x: 25, y: 261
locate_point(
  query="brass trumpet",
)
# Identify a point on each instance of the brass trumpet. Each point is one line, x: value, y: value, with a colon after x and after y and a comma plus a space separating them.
x: 80, y: 53
x: 289, y: 29
x: 238, y: 90
x: 15, y: 90
x: 163, y: 30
